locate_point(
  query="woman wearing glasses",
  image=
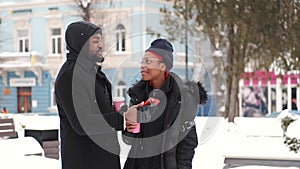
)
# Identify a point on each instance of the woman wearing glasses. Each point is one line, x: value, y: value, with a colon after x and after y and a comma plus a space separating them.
x: 168, y: 138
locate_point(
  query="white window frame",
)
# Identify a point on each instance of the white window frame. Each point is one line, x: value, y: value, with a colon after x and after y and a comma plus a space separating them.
x: 121, y: 89
x: 120, y: 38
x: 57, y: 46
x: 24, y: 39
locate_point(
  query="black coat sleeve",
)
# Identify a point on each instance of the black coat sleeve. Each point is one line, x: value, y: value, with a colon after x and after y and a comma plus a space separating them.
x: 186, y: 149
x: 79, y: 111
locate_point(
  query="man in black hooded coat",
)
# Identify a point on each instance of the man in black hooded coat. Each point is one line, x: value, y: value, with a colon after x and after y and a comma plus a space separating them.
x: 88, y: 123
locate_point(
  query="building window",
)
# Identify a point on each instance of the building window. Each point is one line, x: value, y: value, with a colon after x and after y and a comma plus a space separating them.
x: 23, y: 40
x: 55, y: 41
x: 120, y: 38
x: 121, y: 89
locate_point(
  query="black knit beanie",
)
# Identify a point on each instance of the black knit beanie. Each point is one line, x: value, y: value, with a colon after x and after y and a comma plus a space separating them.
x: 163, y: 48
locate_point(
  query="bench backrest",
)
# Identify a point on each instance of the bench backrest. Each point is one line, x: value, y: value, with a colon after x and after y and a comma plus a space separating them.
x: 7, y: 128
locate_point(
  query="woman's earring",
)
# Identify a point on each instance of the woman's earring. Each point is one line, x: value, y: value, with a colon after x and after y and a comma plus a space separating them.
x: 166, y: 75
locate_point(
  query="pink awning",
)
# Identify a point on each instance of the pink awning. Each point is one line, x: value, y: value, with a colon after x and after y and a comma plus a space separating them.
x: 264, y: 76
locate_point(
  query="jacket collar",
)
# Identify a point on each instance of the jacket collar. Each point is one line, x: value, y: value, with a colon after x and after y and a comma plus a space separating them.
x: 87, y: 64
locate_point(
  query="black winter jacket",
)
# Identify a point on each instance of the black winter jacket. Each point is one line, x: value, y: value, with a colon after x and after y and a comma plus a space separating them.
x: 177, y: 139
x: 87, y: 120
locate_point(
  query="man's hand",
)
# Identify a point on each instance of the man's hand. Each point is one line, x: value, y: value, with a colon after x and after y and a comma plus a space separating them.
x: 131, y: 117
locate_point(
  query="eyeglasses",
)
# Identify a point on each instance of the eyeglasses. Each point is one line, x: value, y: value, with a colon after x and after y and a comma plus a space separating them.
x: 148, y: 61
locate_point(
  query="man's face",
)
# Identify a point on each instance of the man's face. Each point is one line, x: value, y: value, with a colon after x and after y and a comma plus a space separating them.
x: 151, y: 67
x: 96, y: 46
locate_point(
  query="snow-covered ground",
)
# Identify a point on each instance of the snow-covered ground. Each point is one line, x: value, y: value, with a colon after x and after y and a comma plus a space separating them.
x: 247, y: 137
x: 259, y: 138
x: 24, y: 152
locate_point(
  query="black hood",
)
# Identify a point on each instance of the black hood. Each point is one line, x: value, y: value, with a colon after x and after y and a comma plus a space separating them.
x: 77, y: 34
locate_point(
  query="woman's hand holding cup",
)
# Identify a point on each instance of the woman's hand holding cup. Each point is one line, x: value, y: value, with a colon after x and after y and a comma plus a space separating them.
x: 131, y: 118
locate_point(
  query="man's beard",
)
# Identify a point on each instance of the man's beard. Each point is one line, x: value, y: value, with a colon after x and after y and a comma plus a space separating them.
x: 98, y: 59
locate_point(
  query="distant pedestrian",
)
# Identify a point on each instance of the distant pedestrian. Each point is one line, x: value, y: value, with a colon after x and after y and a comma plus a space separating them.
x: 4, y: 110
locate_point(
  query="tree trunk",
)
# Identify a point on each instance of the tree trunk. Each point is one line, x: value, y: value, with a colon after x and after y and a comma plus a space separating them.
x: 231, y: 103
x: 85, y: 9
x: 230, y: 86
x: 233, y: 111
x: 86, y: 14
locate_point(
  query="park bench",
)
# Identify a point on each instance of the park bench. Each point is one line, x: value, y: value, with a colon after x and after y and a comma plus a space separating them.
x: 7, y: 128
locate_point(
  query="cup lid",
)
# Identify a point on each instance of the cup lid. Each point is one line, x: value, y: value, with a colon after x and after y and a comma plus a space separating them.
x: 118, y: 99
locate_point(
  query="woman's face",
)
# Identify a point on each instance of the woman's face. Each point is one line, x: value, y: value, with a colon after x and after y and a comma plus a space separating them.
x: 151, y: 67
